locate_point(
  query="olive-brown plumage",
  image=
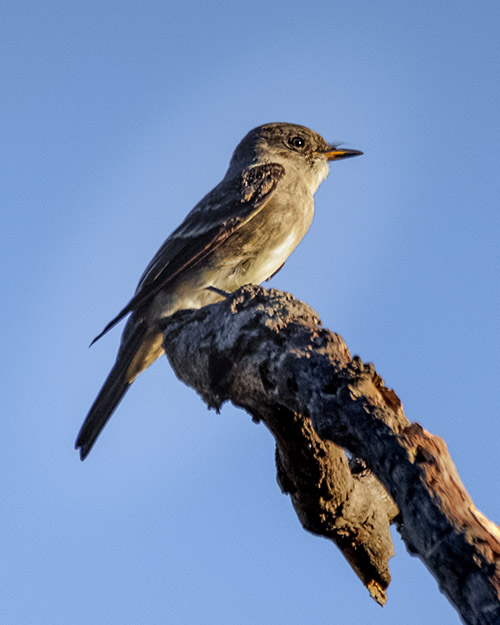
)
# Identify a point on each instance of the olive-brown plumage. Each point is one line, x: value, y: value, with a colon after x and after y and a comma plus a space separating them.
x: 241, y: 232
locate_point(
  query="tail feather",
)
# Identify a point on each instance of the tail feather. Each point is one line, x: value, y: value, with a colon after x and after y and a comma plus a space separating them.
x: 116, y: 385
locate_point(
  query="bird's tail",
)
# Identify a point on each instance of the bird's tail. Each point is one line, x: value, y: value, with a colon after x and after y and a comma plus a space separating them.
x: 116, y: 385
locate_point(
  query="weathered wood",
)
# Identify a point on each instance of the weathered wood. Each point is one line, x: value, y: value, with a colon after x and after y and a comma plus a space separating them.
x: 267, y: 352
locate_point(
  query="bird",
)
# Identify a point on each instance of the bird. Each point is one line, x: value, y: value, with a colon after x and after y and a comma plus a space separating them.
x: 241, y: 232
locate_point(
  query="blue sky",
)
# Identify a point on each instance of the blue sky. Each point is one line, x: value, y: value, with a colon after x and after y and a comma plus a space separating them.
x: 117, y: 118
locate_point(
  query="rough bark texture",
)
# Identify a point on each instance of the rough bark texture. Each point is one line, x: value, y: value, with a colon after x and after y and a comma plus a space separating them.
x: 267, y: 352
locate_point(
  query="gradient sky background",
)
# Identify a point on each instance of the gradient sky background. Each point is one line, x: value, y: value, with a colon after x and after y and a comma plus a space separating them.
x: 117, y: 117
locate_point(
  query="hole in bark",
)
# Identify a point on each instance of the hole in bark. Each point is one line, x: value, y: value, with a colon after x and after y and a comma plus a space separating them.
x: 219, y: 369
x: 264, y: 373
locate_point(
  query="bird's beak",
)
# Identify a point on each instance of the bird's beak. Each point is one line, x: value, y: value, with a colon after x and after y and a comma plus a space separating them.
x: 332, y: 153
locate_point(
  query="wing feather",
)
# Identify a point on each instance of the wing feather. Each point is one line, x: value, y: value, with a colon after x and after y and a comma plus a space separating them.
x: 212, y: 221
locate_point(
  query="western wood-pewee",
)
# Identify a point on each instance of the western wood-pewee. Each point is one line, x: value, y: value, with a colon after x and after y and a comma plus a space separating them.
x: 242, y: 232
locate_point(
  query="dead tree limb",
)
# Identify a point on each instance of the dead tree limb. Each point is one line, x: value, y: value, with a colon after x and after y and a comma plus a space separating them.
x: 268, y: 353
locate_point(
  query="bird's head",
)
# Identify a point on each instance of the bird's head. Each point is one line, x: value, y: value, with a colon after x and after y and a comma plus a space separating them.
x: 293, y: 146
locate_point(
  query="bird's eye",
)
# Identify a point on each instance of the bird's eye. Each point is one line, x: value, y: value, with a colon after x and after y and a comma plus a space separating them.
x: 297, y: 142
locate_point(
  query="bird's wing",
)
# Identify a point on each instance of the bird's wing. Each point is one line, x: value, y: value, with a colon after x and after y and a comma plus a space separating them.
x: 225, y: 209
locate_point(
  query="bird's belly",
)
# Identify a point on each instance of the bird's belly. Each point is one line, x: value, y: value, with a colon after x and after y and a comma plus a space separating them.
x: 256, y: 251
x: 275, y: 237
x: 230, y: 273
x: 250, y: 255
x: 268, y: 261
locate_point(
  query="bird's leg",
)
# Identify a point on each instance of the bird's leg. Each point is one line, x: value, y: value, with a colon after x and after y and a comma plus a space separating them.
x: 221, y: 292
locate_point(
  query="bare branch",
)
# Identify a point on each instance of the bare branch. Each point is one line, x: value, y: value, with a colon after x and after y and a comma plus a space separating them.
x: 267, y: 352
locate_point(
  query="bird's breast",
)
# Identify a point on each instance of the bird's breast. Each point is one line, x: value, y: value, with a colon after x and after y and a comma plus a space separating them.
x: 258, y: 249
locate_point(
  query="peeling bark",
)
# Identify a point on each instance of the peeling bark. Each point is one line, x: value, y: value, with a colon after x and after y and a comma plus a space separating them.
x: 268, y: 353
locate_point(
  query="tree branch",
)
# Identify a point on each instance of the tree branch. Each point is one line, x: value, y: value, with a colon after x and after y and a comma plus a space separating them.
x: 267, y: 352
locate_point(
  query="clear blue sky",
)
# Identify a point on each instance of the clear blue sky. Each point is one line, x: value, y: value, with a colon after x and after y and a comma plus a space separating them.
x: 116, y: 118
